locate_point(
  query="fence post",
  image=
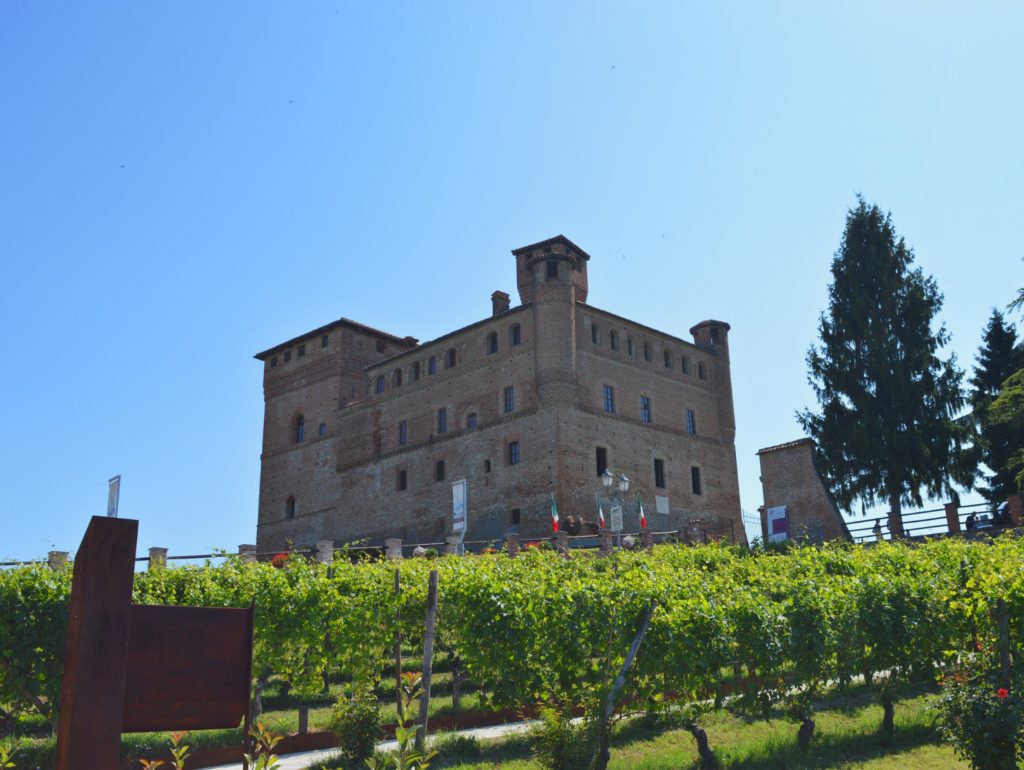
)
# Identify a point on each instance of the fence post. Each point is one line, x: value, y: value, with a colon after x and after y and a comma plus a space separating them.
x: 604, y: 542
x: 325, y: 551
x: 303, y: 720
x: 1016, y: 510
x: 247, y: 552
x: 953, y: 517
x: 57, y: 560
x: 394, y: 547
x: 647, y: 538
x: 512, y: 544
x: 451, y: 544
x: 562, y: 543
x: 157, y: 558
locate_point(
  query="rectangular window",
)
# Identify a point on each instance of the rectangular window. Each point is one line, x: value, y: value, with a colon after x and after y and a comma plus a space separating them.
x: 686, y: 365
x: 432, y: 365
x: 287, y: 356
x: 695, y: 479
x: 302, y: 350
x: 442, y: 420
x: 595, y: 335
x: 403, y: 480
x: 487, y: 466
x: 509, y: 399
x: 647, y: 352
x: 513, y: 453
x: 668, y: 360
x: 552, y: 268
x: 439, y: 470
x: 645, y: 408
x: 323, y: 341
x: 602, y: 460
x: 380, y: 346
x: 403, y: 433
x: 659, y: 474
x: 515, y: 335
x: 273, y: 362
x: 613, y: 340
x: 471, y: 421
x: 691, y: 422
x: 517, y: 515
x: 630, y: 347
x: 609, y: 399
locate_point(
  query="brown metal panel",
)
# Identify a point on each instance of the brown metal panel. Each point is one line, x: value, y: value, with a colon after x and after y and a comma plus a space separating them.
x: 92, y: 690
x: 188, y: 668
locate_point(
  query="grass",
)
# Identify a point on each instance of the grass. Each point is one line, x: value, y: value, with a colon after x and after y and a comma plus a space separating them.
x: 847, y: 738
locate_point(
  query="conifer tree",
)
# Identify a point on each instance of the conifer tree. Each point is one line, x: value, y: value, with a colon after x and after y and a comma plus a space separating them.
x: 887, y: 426
x: 998, y: 358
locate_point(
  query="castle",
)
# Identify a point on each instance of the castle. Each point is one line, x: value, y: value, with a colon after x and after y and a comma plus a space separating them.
x: 364, y: 432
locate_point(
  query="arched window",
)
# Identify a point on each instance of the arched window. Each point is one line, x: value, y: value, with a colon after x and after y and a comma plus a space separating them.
x: 322, y: 430
x: 492, y: 343
x: 289, y: 508
x: 515, y: 335
x: 613, y: 340
x: 702, y: 371
x: 378, y: 385
x: 396, y: 378
x: 432, y: 365
x: 300, y: 429
x: 449, y: 358
x: 414, y: 372
x: 471, y: 421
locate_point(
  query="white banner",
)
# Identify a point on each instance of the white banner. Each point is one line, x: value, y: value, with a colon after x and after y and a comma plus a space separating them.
x: 778, y: 523
x: 113, y: 496
x: 615, y: 516
x: 459, y: 507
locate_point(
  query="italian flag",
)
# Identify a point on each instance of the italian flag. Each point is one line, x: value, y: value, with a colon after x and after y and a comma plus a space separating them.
x: 554, y: 514
x: 643, y: 518
x: 600, y: 513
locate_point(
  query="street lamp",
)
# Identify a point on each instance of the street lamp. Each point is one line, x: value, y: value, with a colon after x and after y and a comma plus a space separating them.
x: 616, y: 490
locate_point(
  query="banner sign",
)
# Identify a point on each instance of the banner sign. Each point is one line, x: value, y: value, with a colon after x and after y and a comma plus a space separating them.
x: 113, y: 496
x: 616, y: 518
x: 778, y: 524
x: 459, y: 507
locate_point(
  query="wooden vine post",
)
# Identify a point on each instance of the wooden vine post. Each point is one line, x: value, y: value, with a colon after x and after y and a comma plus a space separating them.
x: 428, y: 660
x: 603, y: 753
x: 398, y: 646
x: 1004, y: 643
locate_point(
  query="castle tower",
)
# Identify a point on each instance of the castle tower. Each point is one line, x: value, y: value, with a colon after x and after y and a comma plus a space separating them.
x: 552, y: 277
x: 714, y: 336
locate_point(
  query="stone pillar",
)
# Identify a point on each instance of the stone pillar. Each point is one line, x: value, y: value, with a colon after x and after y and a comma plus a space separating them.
x: 325, y: 551
x: 57, y: 560
x: 647, y: 538
x: 157, y: 558
x: 953, y: 517
x: 451, y: 544
x: 394, y: 547
x: 512, y: 544
x: 247, y: 552
x: 604, y: 542
x: 1016, y: 510
x: 562, y: 543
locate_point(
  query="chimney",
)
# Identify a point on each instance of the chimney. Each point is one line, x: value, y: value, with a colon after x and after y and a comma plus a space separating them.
x: 499, y: 302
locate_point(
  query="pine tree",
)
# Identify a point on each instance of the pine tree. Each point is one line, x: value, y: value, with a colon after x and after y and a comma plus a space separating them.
x: 998, y: 358
x: 888, y: 423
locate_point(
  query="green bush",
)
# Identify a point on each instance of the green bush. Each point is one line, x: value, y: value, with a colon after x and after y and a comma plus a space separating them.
x: 560, y: 743
x: 357, y: 723
x: 982, y: 720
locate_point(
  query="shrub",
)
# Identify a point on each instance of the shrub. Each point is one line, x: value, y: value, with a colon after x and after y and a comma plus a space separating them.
x: 560, y: 743
x: 357, y: 723
x: 982, y: 720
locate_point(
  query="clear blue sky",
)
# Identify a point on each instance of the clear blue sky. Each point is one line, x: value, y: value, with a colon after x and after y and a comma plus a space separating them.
x: 185, y: 184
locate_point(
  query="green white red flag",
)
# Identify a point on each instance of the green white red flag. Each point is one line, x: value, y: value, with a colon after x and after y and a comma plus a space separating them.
x: 643, y: 517
x: 554, y: 514
x: 600, y: 513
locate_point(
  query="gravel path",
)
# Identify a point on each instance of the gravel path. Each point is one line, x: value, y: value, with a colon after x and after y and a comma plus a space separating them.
x: 304, y: 759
